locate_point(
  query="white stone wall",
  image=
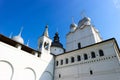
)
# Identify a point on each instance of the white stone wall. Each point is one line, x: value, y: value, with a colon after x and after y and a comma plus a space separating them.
x: 85, y: 36
x: 16, y: 64
x: 105, y: 67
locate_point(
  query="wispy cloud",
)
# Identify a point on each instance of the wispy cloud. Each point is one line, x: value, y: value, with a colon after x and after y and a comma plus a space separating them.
x: 116, y: 3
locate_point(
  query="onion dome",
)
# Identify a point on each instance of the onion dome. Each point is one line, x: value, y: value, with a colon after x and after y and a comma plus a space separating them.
x: 73, y: 26
x: 56, y: 42
x: 18, y: 38
x: 84, y: 21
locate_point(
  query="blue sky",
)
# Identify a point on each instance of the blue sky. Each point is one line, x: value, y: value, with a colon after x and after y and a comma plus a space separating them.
x: 33, y: 15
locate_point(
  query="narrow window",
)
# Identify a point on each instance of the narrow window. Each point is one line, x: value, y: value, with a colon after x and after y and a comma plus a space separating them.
x: 91, y: 72
x: 101, y: 53
x: 59, y: 75
x: 85, y: 57
x: 66, y: 61
x: 56, y: 63
x: 78, y: 58
x: 79, y: 45
x: 61, y: 62
x: 72, y: 59
x: 93, y: 54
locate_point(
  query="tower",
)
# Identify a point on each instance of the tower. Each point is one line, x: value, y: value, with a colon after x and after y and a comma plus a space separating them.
x: 83, y: 35
x: 44, y: 42
x: 56, y: 47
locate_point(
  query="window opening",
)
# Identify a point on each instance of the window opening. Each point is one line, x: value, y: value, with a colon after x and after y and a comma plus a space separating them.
x: 79, y: 45
x: 78, y: 58
x: 85, y: 56
x: 72, y: 59
x: 101, y: 53
x: 93, y: 54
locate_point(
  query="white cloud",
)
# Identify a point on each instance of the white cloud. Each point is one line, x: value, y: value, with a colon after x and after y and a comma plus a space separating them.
x: 116, y: 3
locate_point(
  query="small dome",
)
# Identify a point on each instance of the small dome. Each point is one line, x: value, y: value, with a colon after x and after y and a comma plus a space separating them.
x: 73, y: 25
x: 84, y: 21
x: 18, y: 39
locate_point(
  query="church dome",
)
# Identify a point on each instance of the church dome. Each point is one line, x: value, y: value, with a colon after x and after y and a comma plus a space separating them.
x: 73, y: 25
x: 84, y: 21
x: 18, y: 39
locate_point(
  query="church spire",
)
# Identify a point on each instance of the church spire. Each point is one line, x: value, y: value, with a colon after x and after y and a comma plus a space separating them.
x: 45, y: 33
x: 20, y: 31
x: 56, y: 38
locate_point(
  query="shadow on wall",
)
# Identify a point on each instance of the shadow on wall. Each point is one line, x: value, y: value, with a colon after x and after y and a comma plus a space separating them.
x: 48, y: 73
x: 27, y: 74
x: 6, y: 70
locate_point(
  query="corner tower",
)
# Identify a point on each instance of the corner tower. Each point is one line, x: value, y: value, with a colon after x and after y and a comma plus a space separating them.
x: 85, y: 34
x: 56, y: 47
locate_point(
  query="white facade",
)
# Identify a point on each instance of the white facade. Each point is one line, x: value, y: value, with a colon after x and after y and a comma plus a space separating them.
x: 84, y: 35
x: 106, y: 67
x: 87, y: 57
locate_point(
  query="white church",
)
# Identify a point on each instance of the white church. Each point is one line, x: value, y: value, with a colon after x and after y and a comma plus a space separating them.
x: 86, y: 57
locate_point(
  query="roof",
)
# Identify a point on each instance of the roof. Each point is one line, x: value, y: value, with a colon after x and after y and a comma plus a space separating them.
x: 56, y: 45
x: 14, y: 43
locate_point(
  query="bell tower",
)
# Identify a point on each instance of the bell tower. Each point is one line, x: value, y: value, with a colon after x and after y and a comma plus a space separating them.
x: 44, y: 42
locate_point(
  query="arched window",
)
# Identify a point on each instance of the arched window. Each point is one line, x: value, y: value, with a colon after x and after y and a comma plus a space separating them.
x: 72, y: 59
x: 85, y: 57
x: 56, y: 63
x: 61, y: 62
x: 93, y: 54
x: 101, y: 53
x: 66, y: 60
x: 78, y: 58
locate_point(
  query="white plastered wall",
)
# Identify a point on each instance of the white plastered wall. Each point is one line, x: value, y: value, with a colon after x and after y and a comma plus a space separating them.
x: 23, y: 65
